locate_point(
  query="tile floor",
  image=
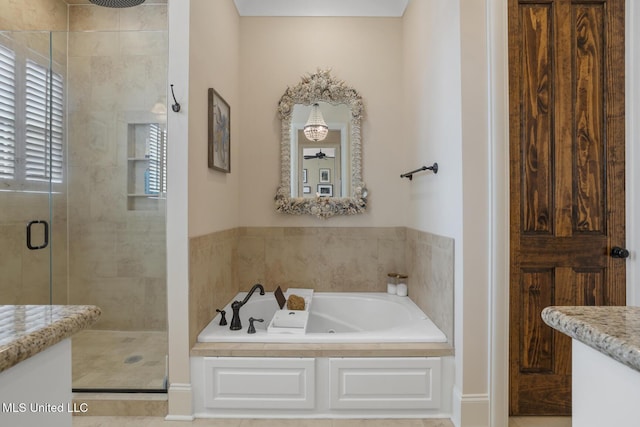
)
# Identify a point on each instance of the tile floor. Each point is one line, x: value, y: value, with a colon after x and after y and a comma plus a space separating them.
x: 119, y: 359
x: 153, y: 421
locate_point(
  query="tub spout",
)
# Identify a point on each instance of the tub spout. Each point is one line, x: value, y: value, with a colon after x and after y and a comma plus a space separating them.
x: 236, y: 305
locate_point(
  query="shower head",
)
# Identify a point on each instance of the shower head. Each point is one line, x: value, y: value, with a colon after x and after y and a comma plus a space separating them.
x: 117, y: 3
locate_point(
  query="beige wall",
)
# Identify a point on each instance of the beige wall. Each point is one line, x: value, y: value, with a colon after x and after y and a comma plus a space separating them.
x: 213, y: 195
x: 214, y: 61
x: 364, y: 52
x: 117, y: 257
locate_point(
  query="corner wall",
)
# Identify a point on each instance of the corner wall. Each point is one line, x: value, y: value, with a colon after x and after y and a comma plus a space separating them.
x: 213, y: 63
x: 213, y: 195
x: 446, y: 65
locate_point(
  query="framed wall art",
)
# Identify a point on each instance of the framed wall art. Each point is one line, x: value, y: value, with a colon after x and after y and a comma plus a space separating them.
x: 325, y: 190
x: 219, y: 147
x: 325, y: 175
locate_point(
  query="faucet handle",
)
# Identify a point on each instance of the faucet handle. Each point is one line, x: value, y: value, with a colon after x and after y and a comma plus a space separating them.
x: 252, y: 329
x: 223, y: 320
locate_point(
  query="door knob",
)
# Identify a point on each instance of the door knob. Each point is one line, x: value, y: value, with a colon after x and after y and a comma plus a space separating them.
x: 618, y: 252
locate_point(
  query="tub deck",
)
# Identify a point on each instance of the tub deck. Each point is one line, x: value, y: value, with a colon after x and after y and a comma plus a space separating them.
x: 397, y: 349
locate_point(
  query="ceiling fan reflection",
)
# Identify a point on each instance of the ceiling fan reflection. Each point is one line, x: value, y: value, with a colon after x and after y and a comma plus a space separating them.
x: 318, y: 155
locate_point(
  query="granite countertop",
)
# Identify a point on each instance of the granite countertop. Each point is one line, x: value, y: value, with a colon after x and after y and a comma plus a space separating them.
x: 26, y: 330
x: 614, y: 331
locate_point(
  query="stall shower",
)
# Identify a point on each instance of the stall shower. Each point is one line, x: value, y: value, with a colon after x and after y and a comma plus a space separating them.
x: 83, y: 144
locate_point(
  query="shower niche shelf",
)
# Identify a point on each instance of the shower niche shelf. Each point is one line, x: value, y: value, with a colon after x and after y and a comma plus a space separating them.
x: 146, y: 166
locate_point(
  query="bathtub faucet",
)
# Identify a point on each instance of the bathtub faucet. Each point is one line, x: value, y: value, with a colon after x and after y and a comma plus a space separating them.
x: 235, y: 306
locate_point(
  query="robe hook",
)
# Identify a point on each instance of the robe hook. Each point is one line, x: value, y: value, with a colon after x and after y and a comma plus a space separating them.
x: 176, y: 106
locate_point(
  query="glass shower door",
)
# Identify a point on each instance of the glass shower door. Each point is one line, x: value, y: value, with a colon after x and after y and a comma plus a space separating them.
x: 82, y: 193
x: 115, y: 197
x: 31, y: 105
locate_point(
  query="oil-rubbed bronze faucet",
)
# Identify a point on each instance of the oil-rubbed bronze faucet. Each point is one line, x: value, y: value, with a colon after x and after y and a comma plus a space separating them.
x: 235, y: 306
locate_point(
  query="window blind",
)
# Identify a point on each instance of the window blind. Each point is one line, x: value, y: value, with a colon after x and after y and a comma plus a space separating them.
x: 7, y: 113
x: 157, y: 159
x: 43, y: 124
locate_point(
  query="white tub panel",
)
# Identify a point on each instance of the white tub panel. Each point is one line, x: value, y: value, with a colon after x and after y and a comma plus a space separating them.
x: 259, y: 383
x: 385, y: 383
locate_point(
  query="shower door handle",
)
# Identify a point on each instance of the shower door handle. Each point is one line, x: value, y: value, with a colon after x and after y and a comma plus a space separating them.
x: 29, y: 235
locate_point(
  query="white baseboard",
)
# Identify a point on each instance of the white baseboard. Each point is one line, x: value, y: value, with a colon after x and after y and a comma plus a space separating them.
x: 471, y: 410
x: 179, y: 418
x: 180, y: 402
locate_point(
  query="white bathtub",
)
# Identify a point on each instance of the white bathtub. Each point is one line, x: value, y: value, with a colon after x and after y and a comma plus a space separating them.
x: 334, y: 317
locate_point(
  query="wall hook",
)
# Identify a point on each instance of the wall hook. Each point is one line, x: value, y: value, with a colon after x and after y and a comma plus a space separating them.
x: 409, y: 175
x: 176, y: 106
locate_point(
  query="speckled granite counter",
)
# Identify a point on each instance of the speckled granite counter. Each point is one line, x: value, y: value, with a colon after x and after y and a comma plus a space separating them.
x: 614, y: 331
x: 26, y: 330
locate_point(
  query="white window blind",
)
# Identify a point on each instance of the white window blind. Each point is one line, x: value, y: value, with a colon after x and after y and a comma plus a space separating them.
x: 157, y: 159
x: 43, y: 124
x: 7, y: 113
x: 31, y: 120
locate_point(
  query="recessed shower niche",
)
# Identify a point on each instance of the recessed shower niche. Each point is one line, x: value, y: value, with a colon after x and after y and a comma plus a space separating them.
x: 146, y: 166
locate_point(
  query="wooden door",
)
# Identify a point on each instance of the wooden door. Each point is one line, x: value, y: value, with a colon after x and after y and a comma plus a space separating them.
x: 566, y: 84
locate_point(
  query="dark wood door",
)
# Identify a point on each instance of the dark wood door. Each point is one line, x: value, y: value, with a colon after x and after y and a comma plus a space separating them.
x: 566, y: 84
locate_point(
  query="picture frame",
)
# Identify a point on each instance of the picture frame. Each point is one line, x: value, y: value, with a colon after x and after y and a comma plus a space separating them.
x: 325, y: 175
x: 325, y: 190
x: 304, y: 176
x: 306, y: 189
x: 219, y: 144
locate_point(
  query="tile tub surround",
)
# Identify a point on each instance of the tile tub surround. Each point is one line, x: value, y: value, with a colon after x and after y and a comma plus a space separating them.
x: 26, y: 330
x: 327, y: 259
x: 611, y: 330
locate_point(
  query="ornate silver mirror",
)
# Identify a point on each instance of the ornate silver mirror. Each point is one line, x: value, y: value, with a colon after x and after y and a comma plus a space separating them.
x: 321, y: 177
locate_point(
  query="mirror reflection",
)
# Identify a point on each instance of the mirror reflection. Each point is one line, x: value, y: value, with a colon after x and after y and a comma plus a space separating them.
x: 320, y: 168
x: 321, y: 148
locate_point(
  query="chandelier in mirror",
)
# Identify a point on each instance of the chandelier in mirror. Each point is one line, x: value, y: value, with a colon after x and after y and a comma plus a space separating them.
x: 316, y: 129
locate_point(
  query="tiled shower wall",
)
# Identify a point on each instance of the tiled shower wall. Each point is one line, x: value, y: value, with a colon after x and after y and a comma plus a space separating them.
x: 117, y: 72
x: 323, y: 258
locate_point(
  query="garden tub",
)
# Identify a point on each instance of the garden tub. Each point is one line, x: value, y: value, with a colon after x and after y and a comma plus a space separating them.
x: 334, y: 317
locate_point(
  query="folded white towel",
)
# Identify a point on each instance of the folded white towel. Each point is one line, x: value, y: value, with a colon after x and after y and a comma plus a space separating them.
x: 290, y: 319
